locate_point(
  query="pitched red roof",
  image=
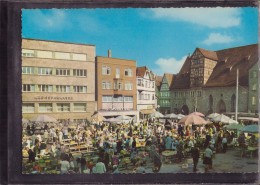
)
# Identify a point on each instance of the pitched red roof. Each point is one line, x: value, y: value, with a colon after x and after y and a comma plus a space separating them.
x: 158, y: 81
x: 224, y: 73
x: 140, y: 71
x: 182, y: 79
x: 229, y: 60
x: 208, y: 54
x: 169, y: 77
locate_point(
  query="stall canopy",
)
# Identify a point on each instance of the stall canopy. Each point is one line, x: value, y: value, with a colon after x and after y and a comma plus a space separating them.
x: 249, y: 119
x: 192, y: 119
x: 197, y: 114
x: 213, y: 115
x: 171, y: 116
x: 223, y: 118
x: 156, y: 115
x: 147, y: 111
x: 250, y: 129
x: 97, y: 118
x: 234, y: 126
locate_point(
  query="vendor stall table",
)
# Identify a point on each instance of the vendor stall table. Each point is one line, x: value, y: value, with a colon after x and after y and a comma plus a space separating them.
x: 167, y: 155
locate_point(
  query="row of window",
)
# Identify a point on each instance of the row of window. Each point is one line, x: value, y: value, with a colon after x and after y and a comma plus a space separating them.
x: 165, y: 94
x: 54, y: 55
x: 48, y: 107
x: 117, y: 85
x: 145, y: 83
x: 106, y: 70
x: 54, y: 88
x: 51, y: 71
x: 164, y: 103
x: 117, y: 99
x: 146, y: 96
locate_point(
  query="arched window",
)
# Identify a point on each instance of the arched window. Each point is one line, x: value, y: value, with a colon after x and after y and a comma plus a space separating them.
x: 210, y: 103
x: 233, y: 103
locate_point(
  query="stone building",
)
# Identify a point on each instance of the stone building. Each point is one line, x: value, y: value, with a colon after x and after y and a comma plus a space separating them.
x: 146, y: 102
x: 207, y: 81
x: 58, y: 79
x: 253, y: 89
x: 164, y: 93
x: 116, y: 86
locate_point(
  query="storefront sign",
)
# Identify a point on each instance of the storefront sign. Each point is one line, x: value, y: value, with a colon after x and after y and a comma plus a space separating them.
x: 53, y: 98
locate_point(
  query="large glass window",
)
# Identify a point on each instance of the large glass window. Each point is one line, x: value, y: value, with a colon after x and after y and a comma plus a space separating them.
x: 106, y: 85
x: 118, y: 99
x: 63, y: 88
x: 28, y: 53
x: 128, y: 98
x: 80, y: 107
x: 253, y: 100
x: 254, y: 87
x: 45, y: 107
x: 118, y: 85
x: 45, y: 88
x: 28, y: 108
x: 63, y: 72
x: 128, y: 86
x: 63, y: 107
x: 44, y: 71
x: 80, y: 89
x: 27, y: 70
x: 107, y: 98
x: 28, y: 88
x: 106, y: 70
x: 128, y: 72
x: 79, y: 72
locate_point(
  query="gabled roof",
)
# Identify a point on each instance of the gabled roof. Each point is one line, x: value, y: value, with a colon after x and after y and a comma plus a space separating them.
x: 140, y: 71
x: 182, y: 79
x: 208, y: 54
x: 224, y: 73
x: 169, y: 78
x: 158, y: 81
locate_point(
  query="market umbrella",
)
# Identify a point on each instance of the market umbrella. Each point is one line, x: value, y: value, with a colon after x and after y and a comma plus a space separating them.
x: 231, y: 121
x: 250, y: 129
x: 234, y: 126
x: 221, y: 118
x: 213, y: 115
x: 156, y: 115
x: 43, y: 118
x: 249, y: 119
x: 198, y: 114
x: 171, y: 116
x: 97, y: 118
x: 192, y: 119
x: 112, y: 120
x: 179, y: 116
x: 123, y: 118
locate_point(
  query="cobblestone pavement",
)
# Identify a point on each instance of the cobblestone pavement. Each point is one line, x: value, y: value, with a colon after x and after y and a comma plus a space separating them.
x: 231, y: 161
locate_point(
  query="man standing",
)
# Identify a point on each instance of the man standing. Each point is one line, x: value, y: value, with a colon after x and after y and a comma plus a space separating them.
x: 99, y: 167
x: 195, y: 153
x: 208, y: 159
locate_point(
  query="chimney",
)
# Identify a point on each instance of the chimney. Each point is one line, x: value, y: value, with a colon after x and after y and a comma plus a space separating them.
x: 109, y: 53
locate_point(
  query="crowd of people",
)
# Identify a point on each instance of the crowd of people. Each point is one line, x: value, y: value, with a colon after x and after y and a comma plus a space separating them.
x: 115, y: 145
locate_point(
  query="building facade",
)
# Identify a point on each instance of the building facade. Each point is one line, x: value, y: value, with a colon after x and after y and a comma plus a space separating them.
x: 146, y: 101
x: 207, y: 81
x: 164, y: 94
x: 58, y: 79
x: 116, y: 86
x: 253, y: 89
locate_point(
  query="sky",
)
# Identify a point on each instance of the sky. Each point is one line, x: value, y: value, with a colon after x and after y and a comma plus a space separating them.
x: 159, y: 38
